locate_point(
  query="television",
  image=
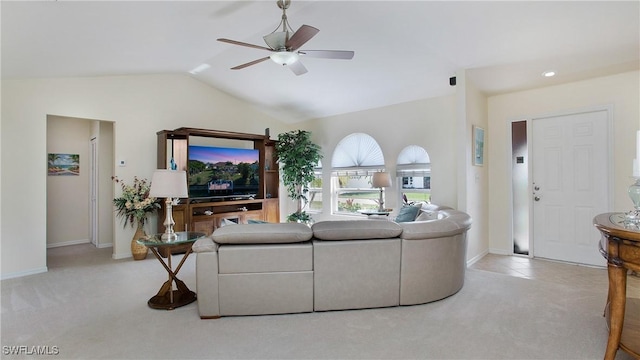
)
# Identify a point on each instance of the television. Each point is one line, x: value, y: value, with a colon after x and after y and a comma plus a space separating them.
x: 223, y: 172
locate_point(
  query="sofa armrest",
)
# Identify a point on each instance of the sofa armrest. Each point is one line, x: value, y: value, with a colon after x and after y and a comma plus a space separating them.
x: 207, y: 284
x: 204, y: 244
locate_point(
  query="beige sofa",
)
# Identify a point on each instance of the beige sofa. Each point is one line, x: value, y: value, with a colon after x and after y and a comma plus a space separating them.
x: 256, y: 269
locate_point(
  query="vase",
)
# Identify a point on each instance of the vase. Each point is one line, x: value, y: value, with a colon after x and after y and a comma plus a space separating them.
x: 138, y: 251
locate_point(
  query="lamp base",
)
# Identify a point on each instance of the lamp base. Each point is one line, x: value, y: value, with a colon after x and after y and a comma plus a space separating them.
x: 168, y: 237
x: 632, y: 218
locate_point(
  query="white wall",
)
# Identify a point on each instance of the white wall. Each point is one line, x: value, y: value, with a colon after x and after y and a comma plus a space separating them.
x: 427, y: 123
x: 475, y: 178
x: 621, y: 91
x: 68, y: 196
x: 138, y: 105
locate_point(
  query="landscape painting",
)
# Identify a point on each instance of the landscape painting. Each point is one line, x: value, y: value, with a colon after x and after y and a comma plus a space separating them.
x: 63, y: 165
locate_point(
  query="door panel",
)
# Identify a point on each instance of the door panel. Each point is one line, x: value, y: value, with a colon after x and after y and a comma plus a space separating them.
x: 570, y: 185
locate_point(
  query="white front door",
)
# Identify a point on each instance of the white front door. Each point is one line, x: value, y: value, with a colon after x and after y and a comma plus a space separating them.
x: 570, y: 185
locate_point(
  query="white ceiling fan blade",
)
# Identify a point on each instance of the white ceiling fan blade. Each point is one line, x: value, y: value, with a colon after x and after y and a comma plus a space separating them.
x: 297, y: 68
x: 328, y: 54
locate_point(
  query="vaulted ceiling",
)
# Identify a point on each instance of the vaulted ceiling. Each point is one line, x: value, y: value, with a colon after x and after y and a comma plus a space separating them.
x: 404, y: 50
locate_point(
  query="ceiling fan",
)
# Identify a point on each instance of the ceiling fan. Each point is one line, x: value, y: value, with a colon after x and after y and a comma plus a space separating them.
x: 284, y: 45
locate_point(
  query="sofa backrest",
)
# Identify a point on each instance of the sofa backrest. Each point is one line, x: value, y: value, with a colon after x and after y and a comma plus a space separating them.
x: 269, y: 233
x: 448, y: 222
x: 355, y: 230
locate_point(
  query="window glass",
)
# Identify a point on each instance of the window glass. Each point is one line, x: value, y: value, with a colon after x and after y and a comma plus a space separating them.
x: 314, y: 204
x: 414, y: 174
x: 355, y: 159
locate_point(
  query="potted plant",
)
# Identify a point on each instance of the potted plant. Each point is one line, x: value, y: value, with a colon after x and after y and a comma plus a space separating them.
x: 298, y: 156
x: 133, y: 206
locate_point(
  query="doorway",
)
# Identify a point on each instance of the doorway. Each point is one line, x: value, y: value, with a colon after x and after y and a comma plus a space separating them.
x: 564, y: 185
x: 87, y: 197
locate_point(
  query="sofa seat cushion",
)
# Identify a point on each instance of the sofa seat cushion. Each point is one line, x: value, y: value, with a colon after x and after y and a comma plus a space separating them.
x: 281, y: 233
x: 355, y: 230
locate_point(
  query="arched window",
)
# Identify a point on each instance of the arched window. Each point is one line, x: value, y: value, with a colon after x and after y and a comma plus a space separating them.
x: 413, y: 173
x: 355, y: 159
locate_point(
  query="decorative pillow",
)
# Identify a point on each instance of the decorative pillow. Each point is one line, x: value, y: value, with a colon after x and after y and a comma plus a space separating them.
x: 225, y: 222
x: 407, y: 213
x: 253, y: 221
x: 428, y: 215
x: 204, y: 244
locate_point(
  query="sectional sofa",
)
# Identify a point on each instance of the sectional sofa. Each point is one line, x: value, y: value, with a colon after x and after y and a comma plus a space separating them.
x: 254, y: 269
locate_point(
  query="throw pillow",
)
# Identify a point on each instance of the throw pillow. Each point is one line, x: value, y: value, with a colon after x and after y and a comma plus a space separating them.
x: 427, y: 215
x: 407, y: 213
x: 253, y: 221
x: 225, y: 222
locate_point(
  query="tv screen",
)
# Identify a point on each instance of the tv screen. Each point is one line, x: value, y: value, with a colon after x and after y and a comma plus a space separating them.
x: 222, y: 172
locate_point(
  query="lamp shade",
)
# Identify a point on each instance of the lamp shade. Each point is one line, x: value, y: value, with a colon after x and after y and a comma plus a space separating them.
x: 381, y: 179
x: 169, y: 184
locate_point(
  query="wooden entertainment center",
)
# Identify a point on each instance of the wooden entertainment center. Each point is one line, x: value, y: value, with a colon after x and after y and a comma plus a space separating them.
x: 205, y: 214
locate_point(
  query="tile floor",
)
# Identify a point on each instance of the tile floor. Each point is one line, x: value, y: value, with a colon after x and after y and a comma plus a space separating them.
x: 553, y: 271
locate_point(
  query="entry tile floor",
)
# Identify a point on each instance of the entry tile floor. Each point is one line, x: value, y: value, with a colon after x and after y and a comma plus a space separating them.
x: 553, y: 271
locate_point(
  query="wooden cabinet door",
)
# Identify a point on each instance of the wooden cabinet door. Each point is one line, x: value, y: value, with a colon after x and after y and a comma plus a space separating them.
x: 180, y: 215
x: 203, y: 225
x: 271, y: 209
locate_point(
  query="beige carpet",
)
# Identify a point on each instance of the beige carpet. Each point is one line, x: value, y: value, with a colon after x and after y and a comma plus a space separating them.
x: 91, y: 307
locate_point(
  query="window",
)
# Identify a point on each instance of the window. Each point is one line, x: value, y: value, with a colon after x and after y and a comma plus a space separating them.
x: 413, y: 174
x: 314, y: 197
x: 355, y: 159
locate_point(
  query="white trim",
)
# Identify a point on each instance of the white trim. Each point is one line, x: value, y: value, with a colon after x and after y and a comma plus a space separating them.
x: 477, y: 258
x: 68, y: 243
x: 121, y: 256
x: 24, y: 273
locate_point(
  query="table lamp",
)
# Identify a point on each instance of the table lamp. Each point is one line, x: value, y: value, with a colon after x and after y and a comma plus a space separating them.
x: 380, y: 180
x: 169, y: 184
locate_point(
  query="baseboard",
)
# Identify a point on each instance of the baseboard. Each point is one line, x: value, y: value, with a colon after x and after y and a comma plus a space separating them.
x: 68, y: 243
x: 477, y: 258
x: 121, y: 256
x: 24, y: 273
x: 102, y: 246
x: 500, y: 252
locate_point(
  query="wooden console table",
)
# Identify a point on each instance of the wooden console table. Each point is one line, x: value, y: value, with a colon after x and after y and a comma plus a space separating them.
x: 620, y: 245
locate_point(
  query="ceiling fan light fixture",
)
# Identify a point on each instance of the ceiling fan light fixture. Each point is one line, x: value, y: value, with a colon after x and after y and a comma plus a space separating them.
x: 284, y: 57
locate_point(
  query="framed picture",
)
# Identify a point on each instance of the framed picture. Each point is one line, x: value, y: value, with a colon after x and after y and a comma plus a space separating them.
x: 478, y: 146
x: 63, y: 164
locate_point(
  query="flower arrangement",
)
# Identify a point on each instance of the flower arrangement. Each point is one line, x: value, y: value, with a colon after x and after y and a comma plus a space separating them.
x: 135, y: 203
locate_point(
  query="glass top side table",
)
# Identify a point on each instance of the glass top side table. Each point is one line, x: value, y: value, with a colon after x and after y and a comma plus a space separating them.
x: 167, y: 297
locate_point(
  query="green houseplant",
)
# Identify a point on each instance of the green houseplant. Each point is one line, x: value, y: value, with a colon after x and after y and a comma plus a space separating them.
x: 298, y: 156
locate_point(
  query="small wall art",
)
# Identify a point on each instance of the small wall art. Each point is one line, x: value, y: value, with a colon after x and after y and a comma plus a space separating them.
x: 63, y: 165
x: 478, y: 146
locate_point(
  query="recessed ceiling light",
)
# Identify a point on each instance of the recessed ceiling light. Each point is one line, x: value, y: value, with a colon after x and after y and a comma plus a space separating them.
x: 200, y: 68
x: 549, y: 73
